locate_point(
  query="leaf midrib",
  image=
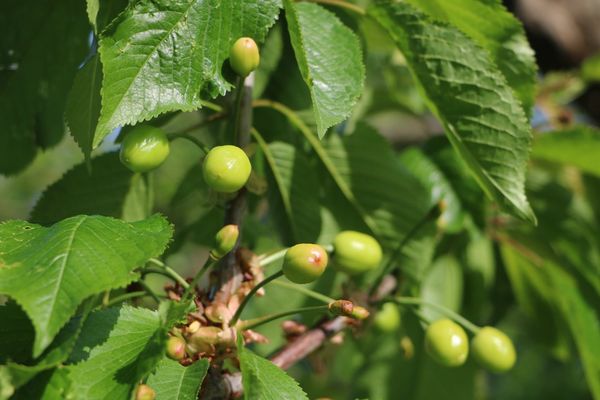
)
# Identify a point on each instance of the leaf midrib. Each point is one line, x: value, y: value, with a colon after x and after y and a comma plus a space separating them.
x: 64, y: 264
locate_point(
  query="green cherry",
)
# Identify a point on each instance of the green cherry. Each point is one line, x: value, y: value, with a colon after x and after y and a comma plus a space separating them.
x: 145, y: 392
x: 447, y: 343
x: 244, y: 57
x: 176, y: 348
x: 356, y: 252
x: 226, y: 168
x: 225, y: 241
x: 388, y: 318
x: 144, y: 148
x: 305, y: 262
x: 493, y: 350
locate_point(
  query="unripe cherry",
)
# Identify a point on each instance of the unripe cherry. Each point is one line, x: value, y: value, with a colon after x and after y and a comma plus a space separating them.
x: 360, y: 313
x: 447, y: 343
x: 347, y: 308
x: 176, y: 348
x: 144, y: 148
x: 226, y: 168
x: 493, y: 350
x: 244, y: 56
x: 388, y: 318
x: 356, y: 252
x: 305, y: 262
x: 225, y: 241
x: 145, y: 392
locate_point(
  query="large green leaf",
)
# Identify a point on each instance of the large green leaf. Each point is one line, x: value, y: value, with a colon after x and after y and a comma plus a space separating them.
x: 49, y: 271
x: 296, y: 185
x: 371, y: 185
x: 330, y: 60
x: 264, y: 380
x: 482, y: 117
x: 159, y: 55
x: 172, y: 381
x: 490, y: 25
x: 16, y: 334
x: 83, y: 104
x: 116, y: 348
x: 577, y: 305
x: 388, y: 198
x: 578, y: 146
x: 43, y: 43
x: 21, y: 373
x: 102, y: 192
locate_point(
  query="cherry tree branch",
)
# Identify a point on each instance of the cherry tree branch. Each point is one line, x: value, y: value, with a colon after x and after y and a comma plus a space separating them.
x: 230, y: 276
x: 307, y: 343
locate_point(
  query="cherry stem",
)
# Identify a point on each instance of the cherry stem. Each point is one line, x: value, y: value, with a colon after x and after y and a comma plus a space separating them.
x: 431, y: 215
x: 149, y: 290
x: 211, y: 106
x: 267, y: 259
x: 166, y: 271
x: 237, y: 116
x: 252, y: 292
x: 192, y: 139
x: 446, y: 311
x: 149, y: 180
x: 253, y: 323
x: 126, y: 296
x: 207, y: 265
x: 304, y: 290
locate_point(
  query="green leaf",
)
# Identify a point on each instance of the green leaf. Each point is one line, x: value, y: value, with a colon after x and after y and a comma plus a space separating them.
x: 443, y: 285
x: 159, y: 55
x: 387, y: 197
x: 296, y: 184
x: 53, y: 384
x: 330, y: 60
x: 102, y: 192
x: 54, y: 355
x: 172, y: 381
x: 16, y: 334
x: 101, y: 12
x: 482, y: 118
x: 491, y: 26
x: 264, y: 380
x: 371, y: 186
x: 6, y: 387
x: 83, y: 104
x: 18, y: 339
x: 116, y: 348
x: 92, y: 8
x: 430, y: 175
x: 43, y: 43
x: 578, y: 146
x: 49, y: 271
x: 578, y: 306
x: 270, y: 55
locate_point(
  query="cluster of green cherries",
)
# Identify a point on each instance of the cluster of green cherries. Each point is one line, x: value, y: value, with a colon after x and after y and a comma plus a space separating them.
x: 226, y: 169
x: 445, y: 340
x: 447, y: 343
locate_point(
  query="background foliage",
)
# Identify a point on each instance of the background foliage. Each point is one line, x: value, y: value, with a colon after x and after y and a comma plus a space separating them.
x: 370, y: 116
